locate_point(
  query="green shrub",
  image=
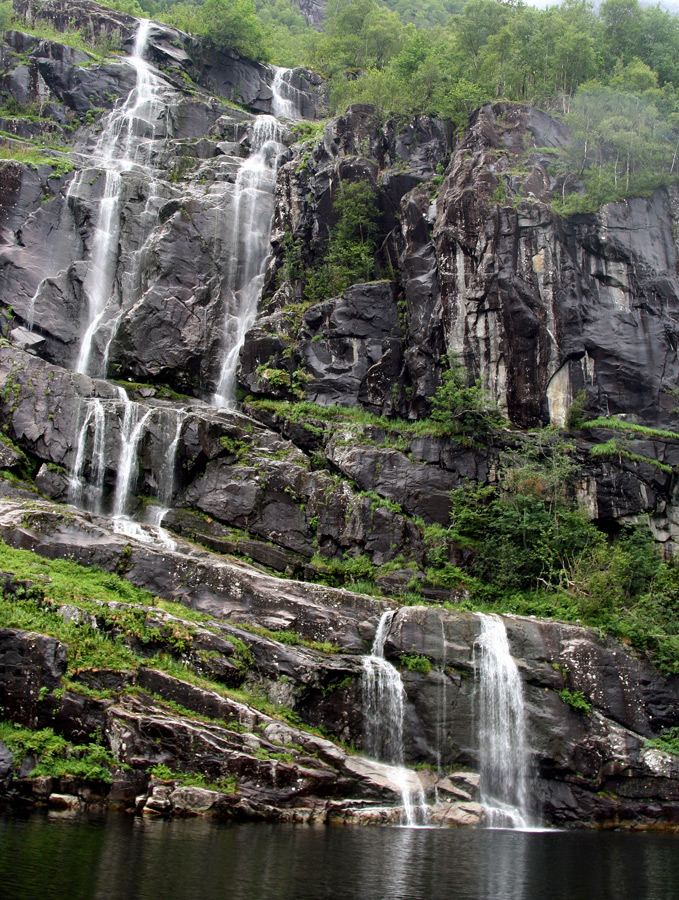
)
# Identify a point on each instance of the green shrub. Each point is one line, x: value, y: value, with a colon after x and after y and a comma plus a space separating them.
x: 55, y: 756
x: 668, y: 741
x: 461, y: 405
x: 416, y: 663
x: 576, y: 700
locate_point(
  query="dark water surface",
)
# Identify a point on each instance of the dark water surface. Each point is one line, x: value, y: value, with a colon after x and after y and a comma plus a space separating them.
x: 125, y: 858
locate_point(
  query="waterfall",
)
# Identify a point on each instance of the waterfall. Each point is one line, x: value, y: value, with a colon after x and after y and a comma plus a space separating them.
x: 250, y: 238
x: 131, y: 433
x: 383, y: 709
x: 100, y: 276
x: 155, y: 513
x: 501, y: 728
x: 285, y: 102
x: 127, y: 140
x: 94, y: 420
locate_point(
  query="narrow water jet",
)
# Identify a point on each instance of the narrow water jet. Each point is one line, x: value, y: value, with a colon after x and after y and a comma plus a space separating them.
x: 250, y: 238
x: 501, y: 728
x: 383, y: 711
x: 98, y: 284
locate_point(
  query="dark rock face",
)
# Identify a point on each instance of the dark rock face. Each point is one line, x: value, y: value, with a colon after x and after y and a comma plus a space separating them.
x: 313, y: 11
x: 30, y: 665
x: 542, y: 307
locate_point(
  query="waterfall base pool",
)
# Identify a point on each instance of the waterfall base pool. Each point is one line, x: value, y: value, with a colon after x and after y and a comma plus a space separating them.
x: 118, y: 857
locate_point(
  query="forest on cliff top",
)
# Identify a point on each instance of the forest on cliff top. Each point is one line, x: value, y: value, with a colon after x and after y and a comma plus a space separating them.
x: 613, y: 72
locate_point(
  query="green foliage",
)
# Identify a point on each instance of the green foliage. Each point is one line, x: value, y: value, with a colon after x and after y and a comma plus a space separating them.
x: 350, y: 570
x: 576, y: 700
x: 162, y: 772
x: 230, y: 25
x: 631, y: 427
x: 463, y: 406
x: 668, y: 741
x: 6, y: 15
x: 55, y: 756
x: 615, y: 449
x: 32, y: 156
x: 98, y: 47
x: 575, y: 416
x: 521, y: 540
x: 624, y: 140
x: 350, y: 257
x: 68, y: 581
x: 291, y: 638
x: 416, y: 663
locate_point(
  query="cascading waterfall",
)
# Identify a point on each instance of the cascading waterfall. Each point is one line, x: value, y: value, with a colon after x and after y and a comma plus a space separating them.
x: 130, y: 143
x: 383, y: 708
x: 250, y: 238
x: 127, y: 138
x: 156, y: 512
x: 131, y: 433
x: 501, y: 726
x: 127, y: 141
x: 98, y: 283
x: 285, y: 101
x: 94, y: 420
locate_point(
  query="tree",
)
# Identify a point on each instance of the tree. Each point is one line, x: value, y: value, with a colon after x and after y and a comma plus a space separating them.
x: 463, y: 406
x: 6, y: 17
x: 353, y: 242
x: 234, y: 25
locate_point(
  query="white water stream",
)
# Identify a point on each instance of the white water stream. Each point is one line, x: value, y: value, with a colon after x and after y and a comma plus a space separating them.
x: 94, y: 420
x: 250, y: 239
x: 128, y: 140
x: 286, y: 100
x: 383, y: 708
x: 501, y: 727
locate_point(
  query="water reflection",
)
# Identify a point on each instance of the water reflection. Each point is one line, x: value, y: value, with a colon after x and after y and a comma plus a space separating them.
x: 120, y: 858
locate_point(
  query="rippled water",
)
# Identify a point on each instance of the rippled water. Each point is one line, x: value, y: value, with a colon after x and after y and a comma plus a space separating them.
x: 123, y: 858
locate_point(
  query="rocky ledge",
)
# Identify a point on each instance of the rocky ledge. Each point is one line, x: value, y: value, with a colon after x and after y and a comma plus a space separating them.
x: 592, y: 762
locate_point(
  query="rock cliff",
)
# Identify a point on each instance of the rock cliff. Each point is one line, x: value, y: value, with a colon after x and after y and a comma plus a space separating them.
x: 264, y: 518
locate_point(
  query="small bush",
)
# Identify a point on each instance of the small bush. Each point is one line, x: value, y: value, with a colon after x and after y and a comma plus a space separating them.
x: 668, y: 741
x: 576, y: 700
x: 416, y: 663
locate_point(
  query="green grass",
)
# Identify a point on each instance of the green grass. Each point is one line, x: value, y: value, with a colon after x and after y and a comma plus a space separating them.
x: 618, y: 425
x: 291, y: 638
x: 98, y: 51
x: 353, y: 415
x: 34, y: 157
x: 55, y: 756
x: 70, y: 581
x: 194, y: 779
x: 668, y: 741
x: 612, y: 450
